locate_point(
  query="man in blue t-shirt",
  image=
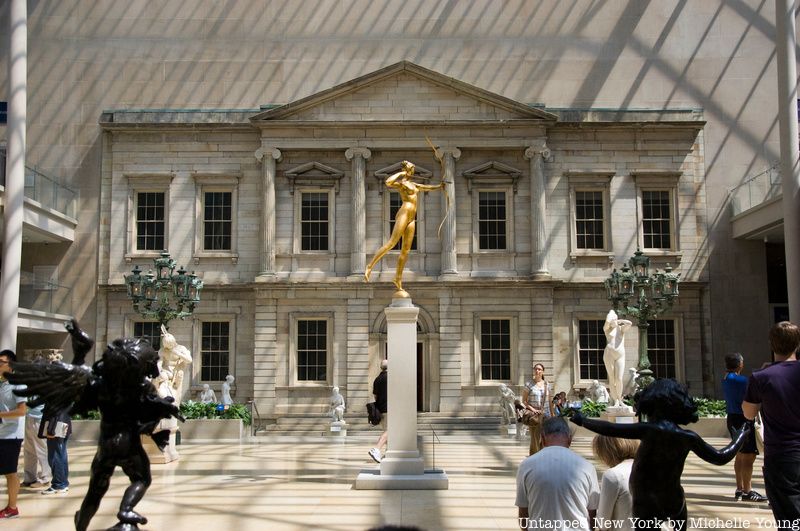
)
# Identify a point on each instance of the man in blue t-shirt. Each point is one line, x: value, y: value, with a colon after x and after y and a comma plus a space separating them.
x: 775, y: 390
x: 12, y: 429
x: 733, y: 387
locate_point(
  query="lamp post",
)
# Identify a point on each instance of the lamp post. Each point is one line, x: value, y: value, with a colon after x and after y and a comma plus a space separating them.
x: 640, y: 295
x: 164, y: 295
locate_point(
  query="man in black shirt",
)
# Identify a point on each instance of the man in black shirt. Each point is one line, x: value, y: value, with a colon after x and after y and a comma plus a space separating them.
x: 379, y: 390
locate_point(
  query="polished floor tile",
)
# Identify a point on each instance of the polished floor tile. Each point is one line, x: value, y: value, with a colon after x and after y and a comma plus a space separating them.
x: 307, y: 483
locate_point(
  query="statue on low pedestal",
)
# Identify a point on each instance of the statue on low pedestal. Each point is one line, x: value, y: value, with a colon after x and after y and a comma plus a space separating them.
x: 207, y: 395
x: 614, y: 355
x: 173, y: 357
x: 226, y: 391
x: 506, y: 399
x: 337, y: 406
x: 598, y: 392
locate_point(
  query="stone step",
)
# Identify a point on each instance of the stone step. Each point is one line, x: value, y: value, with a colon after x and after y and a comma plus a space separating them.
x: 443, y: 424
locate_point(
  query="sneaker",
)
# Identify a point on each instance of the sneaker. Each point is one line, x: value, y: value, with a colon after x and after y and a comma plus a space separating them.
x: 8, y: 512
x: 51, y: 490
x: 375, y: 454
x: 738, y: 495
x: 753, y: 496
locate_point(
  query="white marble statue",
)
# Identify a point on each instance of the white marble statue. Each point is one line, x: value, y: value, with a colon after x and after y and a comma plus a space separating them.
x: 630, y: 382
x: 506, y: 399
x: 207, y: 395
x: 337, y: 405
x: 598, y: 392
x: 173, y: 358
x: 614, y: 355
x: 226, y: 391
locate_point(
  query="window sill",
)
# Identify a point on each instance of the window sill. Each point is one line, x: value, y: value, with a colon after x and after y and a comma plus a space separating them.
x: 663, y: 253
x: 141, y: 255
x: 234, y: 257
x: 591, y: 255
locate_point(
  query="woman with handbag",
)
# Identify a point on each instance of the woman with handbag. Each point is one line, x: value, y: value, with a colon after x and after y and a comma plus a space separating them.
x: 536, y: 398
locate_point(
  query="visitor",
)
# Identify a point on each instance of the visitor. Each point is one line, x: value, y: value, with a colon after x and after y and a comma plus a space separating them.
x: 774, y: 391
x: 733, y: 387
x: 12, y: 430
x: 36, y: 470
x: 556, y: 486
x: 56, y: 430
x: 381, y: 393
x: 614, y: 510
x: 536, y: 398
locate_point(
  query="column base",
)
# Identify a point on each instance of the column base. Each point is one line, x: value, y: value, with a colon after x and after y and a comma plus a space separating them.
x: 266, y: 277
x: 541, y: 275
x: 428, y: 480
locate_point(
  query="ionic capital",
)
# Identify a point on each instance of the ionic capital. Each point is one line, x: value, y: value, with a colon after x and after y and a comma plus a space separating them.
x: 273, y: 152
x: 362, y: 152
x: 539, y: 148
x: 451, y: 151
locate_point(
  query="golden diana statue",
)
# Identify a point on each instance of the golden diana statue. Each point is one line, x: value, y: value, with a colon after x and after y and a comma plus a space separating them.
x: 405, y: 222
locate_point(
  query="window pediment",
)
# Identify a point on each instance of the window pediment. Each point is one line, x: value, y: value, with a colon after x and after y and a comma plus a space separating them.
x: 314, y: 174
x: 492, y: 172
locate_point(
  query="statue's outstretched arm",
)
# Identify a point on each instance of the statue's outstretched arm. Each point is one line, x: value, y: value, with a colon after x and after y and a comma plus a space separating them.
x: 430, y: 187
x: 611, y: 429
x: 706, y: 452
x: 81, y: 342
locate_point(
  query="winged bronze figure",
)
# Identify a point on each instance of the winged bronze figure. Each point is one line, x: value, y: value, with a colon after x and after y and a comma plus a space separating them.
x: 119, y: 386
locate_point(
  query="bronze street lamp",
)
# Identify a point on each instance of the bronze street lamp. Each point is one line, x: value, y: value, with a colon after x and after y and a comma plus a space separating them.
x: 640, y: 295
x: 164, y: 295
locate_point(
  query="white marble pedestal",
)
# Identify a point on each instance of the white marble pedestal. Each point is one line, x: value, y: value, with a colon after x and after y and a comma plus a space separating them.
x: 619, y: 415
x: 403, y: 466
x: 338, y: 429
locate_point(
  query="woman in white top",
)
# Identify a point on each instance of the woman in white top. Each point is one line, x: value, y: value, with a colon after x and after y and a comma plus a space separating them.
x: 537, y: 397
x: 614, y: 508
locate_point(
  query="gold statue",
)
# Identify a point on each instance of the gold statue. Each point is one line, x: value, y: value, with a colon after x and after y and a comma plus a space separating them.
x: 405, y: 220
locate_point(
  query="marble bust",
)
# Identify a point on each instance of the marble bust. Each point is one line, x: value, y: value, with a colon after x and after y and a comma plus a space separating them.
x: 226, y: 390
x: 337, y: 405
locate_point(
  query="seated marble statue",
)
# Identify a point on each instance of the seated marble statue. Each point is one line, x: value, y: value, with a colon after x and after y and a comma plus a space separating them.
x: 655, y: 480
x: 226, y: 390
x: 207, y: 395
x: 506, y: 399
x: 598, y: 392
x: 337, y: 405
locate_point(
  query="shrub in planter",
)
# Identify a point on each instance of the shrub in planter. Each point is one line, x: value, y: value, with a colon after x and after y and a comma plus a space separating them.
x: 707, y: 407
x: 192, y: 410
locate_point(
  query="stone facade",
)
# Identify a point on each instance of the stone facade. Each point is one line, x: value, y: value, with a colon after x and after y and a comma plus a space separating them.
x: 343, y: 142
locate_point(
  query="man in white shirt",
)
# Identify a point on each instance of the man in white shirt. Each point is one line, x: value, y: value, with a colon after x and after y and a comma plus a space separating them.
x: 557, y: 488
x: 12, y: 429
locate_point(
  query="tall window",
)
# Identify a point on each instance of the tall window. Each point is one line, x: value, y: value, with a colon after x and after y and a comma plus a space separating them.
x: 215, y: 351
x: 314, y: 221
x: 312, y: 349
x: 217, y: 221
x: 495, y: 349
x: 656, y: 219
x: 661, y: 348
x: 150, y: 221
x: 491, y: 221
x: 591, y: 345
x: 150, y: 331
x: 589, y: 231
x: 395, y: 202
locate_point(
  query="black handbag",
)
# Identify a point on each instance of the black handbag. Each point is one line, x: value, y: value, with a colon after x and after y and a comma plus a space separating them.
x: 373, y: 413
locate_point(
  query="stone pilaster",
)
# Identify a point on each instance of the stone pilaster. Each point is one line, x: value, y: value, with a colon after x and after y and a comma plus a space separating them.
x: 537, y: 154
x: 358, y: 240
x: 449, y: 256
x: 268, y: 156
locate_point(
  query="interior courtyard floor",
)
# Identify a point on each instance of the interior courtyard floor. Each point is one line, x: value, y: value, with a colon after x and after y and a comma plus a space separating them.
x: 292, y: 483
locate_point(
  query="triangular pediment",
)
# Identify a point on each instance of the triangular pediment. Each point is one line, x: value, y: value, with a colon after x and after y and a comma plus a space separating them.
x: 313, y: 174
x: 492, y: 172
x: 404, y: 92
x: 419, y: 171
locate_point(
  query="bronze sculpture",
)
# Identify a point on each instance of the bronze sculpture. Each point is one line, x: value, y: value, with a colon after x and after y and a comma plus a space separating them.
x: 655, y: 480
x: 405, y: 221
x: 119, y: 385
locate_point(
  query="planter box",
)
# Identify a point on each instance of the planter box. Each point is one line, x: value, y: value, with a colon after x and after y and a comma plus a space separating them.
x: 705, y: 427
x: 216, y: 430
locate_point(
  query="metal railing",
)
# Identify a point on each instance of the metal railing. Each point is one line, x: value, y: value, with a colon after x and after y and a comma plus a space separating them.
x: 756, y: 190
x: 44, y: 190
x: 43, y: 295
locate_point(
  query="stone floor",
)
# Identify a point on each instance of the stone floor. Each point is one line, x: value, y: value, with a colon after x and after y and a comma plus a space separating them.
x: 282, y: 483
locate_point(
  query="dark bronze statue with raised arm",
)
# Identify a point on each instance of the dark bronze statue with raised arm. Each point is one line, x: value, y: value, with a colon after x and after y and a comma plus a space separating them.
x: 119, y: 386
x: 655, y: 480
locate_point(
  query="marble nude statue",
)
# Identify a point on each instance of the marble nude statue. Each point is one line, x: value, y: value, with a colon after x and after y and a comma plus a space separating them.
x: 337, y: 405
x: 598, y: 392
x: 173, y: 358
x: 614, y: 355
x: 207, y: 395
x: 226, y: 390
x: 506, y: 399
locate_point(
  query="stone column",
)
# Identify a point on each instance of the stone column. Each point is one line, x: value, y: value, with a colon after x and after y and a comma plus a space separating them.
x: 358, y: 239
x: 537, y: 153
x: 15, y: 173
x: 786, y: 40
x: 267, y: 156
x: 449, y: 256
